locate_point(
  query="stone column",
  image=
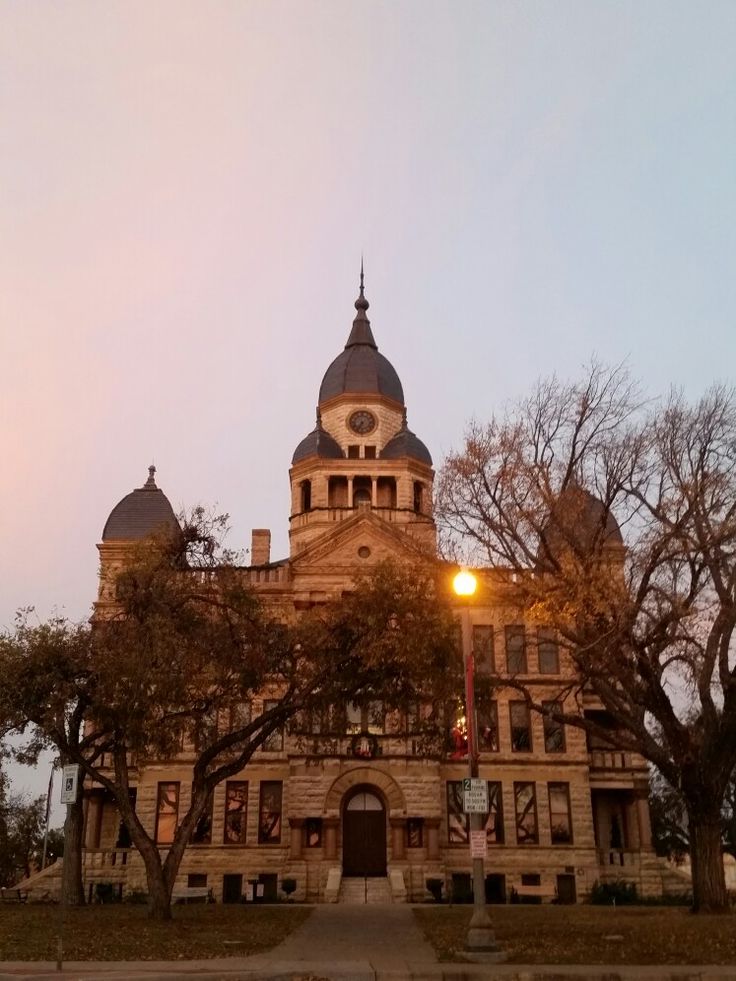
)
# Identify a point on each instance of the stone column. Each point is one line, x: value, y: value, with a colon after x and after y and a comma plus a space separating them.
x: 398, y: 839
x: 94, y: 820
x: 350, y: 492
x: 432, y: 828
x: 295, y: 843
x: 645, y: 824
x: 632, y: 825
x: 329, y: 828
x: 374, y: 492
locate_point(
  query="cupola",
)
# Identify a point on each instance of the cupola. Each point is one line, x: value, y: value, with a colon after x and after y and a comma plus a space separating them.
x: 141, y: 513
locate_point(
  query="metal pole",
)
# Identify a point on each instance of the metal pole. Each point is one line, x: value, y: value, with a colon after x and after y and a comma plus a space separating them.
x: 481, y: 940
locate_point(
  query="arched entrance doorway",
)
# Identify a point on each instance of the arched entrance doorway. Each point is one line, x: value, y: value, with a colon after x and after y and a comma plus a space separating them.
x: 364, y: 834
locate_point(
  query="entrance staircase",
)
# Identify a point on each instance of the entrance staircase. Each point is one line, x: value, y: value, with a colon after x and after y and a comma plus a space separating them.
x: 358, y: 890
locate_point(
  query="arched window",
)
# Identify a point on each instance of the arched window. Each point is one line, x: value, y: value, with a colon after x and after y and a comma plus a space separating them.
x: 306, y: 495
x: 418, y: 496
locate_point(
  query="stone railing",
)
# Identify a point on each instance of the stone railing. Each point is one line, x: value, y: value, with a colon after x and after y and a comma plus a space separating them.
x: 616, y: 759
x: 622, y: 857
x: 108, y: 863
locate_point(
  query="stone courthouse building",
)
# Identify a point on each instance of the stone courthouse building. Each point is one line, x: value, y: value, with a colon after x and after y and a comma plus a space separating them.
x: 361, y: 812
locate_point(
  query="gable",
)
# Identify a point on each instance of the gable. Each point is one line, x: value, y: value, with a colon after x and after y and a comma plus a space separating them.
x: 344, y: 547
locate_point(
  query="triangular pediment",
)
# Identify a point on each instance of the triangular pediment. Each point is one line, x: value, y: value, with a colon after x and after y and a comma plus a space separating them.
x: 344, y: 545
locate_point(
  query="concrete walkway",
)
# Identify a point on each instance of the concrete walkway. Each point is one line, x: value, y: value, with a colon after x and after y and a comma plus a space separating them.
x: 352, y: 943
x: 381, y: 937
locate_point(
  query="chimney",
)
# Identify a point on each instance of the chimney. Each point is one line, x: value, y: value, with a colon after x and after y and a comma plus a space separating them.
x: 260, y: 546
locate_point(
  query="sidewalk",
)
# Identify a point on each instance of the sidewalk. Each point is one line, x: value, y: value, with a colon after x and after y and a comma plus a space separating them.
x: 352, y: 943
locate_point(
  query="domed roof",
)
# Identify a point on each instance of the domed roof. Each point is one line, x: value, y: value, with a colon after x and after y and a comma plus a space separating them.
x: 141, y: 513
x: 360, y: 368
x: 318, y: 443
x: 581, y: 518
x: 405, y: 443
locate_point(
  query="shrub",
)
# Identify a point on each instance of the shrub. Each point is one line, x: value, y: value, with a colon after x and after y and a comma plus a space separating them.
x: 288, y: 886
x: 435, y: 887
x: 618, y: 893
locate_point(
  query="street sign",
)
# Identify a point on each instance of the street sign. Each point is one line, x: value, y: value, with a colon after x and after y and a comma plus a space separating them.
x: 475, y: 796
x: 69, y: 784
x: 478, y: 844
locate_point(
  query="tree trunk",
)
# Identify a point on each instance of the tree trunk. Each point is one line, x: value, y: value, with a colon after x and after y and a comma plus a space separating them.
x: 709, y: 880
x: 72, y: 888
x: 159, y: 892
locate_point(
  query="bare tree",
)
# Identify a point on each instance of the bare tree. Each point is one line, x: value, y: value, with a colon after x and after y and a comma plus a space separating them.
x: 619, y: 519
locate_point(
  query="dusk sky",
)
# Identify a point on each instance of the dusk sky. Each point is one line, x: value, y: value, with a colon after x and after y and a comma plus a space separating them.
x: 186, y: 190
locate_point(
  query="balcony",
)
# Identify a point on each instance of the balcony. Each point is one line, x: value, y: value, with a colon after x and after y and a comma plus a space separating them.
x: 616, y: 769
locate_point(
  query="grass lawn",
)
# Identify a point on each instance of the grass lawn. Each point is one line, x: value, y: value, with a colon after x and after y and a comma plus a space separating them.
x: 577, y: 934
x: 121, y: 932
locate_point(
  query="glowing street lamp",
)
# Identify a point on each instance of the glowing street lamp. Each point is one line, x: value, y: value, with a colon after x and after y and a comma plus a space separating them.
x: 481, y: 942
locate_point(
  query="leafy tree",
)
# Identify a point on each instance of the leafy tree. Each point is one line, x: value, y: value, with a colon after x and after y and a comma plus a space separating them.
x: 647, y: 613
x: 669, y: 819
x: 47, y: 692
x: 186, y: 651
x: 21, y: 833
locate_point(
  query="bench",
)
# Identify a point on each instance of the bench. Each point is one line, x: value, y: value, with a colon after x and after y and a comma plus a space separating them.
x: 536, y: 892
x: 13, y: 896
x: 185, y: 894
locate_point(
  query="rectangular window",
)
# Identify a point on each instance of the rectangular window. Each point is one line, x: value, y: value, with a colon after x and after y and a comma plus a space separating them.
x: 457, y: 821
x: 515, y: 649
x: 353, y: 452
x: 273, y: 743
x: 521, y: 728
x: 313, y: 832
x: 202, y: 834
x: 415, y: 832
x: 525, y: 800
x: 239, y: 715
x: 494, y: 821
x: 269, y: 813
x: 554, y: 732
x: 370, y: 452
x: 354, y: 715
x: 236, y: 811
x: 483, y: 648
x: 560, y: 822
x: 374, y: 717
x: 167, y: 813
x: 488, y: 726
x: 548, y: 651
x: 197, y: 880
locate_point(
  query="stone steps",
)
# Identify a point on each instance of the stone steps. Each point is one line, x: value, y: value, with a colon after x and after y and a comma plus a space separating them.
x: 356, y: 891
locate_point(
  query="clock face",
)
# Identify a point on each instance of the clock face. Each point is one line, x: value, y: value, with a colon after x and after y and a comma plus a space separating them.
x: 362, y: 422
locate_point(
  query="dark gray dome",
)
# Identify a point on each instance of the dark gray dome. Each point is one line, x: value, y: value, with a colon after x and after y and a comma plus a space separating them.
x: 318, y: 443
x: 141, y: 513
x: 580, y: 518
x: 405, y: 443
x: 360, y: 368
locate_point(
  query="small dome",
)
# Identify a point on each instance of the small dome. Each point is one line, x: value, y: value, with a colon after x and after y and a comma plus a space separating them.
x: 405, y: 443
x: 141, y: 513
x: 581, y: 518
x: 318, y: 443
x: 361, y: 369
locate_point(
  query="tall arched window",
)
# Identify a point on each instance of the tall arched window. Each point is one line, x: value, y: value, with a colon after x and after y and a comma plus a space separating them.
x: 306, y: 495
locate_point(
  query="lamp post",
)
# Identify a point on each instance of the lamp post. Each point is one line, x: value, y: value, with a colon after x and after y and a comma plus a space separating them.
x: 481, y: 941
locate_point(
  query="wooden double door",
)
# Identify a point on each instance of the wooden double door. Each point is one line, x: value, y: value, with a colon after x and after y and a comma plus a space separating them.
x: 364, y: 836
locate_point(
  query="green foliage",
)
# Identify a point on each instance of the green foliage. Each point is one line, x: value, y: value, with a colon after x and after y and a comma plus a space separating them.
x: 435, y: 887
x: 619, y: 893
x: 288, y: 886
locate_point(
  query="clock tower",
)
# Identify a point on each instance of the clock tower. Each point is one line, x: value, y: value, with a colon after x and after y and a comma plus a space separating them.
x: 361, y: 458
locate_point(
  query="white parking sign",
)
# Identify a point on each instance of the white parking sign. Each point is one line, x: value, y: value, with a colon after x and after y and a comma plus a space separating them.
x: 69, y: 782
x: 475, y: 796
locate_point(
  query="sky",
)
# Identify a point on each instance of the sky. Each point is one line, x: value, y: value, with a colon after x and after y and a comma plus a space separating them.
x: 186, y: 191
